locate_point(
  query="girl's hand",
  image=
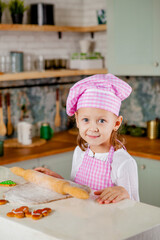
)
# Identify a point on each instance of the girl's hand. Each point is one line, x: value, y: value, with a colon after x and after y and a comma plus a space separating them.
x: 48, y: 172
x: 111, y: 195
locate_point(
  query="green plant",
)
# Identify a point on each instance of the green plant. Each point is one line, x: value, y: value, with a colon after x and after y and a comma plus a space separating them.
x: 17, y: 7
x: 3, y: 5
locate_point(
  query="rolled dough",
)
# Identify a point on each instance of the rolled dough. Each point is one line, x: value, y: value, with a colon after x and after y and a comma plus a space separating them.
x: 30, y: 193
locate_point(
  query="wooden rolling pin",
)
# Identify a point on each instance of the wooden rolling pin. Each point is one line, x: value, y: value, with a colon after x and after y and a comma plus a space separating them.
x: 57, y: 120
x: 3, y: 129
x: 9, y: 123
x: 58, y: 185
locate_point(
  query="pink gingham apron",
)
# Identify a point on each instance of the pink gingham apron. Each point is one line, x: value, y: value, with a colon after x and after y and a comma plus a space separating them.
x: 95, y: 173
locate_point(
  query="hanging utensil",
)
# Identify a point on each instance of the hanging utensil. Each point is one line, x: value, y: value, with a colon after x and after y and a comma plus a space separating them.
x: 3, y: 129
x: 9, y: 123
x: 57, y: 120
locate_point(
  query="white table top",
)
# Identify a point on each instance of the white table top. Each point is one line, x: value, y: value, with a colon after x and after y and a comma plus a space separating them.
x: 76, y: 219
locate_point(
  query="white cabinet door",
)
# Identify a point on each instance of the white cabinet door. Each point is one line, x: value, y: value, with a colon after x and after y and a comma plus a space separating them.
x: 149, y: 180
x: 133, y: 37
x: 28, y: 164
x: 60, y: 163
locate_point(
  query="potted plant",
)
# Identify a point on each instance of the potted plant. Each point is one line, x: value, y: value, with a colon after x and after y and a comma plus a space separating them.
x: 2, y: 7
x: 17, y: 8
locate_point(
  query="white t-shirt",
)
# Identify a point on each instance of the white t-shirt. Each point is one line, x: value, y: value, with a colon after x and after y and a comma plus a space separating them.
x: 124, y: 169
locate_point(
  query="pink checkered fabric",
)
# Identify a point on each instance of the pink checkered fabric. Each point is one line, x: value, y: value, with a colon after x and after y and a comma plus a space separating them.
x: 95, y: 173
x: 104, y: 91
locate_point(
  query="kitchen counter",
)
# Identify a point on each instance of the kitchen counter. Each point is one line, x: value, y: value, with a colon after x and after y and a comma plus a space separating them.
x: 63, y: 142
x: 76, y: 219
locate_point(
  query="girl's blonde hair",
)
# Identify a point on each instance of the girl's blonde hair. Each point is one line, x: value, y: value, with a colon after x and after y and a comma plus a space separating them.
x: 117, y: 141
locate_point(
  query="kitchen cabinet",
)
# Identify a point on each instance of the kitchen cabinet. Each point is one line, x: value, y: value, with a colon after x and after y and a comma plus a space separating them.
x: 149, y: 180
x: 133, y: 37
x: 60, y: 163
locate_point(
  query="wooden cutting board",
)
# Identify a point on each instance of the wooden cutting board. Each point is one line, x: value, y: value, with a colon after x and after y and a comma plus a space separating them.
x: 29, y: 193
x: 13, y: 143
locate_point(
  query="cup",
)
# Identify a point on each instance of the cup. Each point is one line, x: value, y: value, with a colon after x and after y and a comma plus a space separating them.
x: 8, y: 64
x: 40, y: 63
x: 46, y: 132
x: 2, y: 64
x: 1, y: 149
x: 28, y: 63
x: 24, y: 133
x: 152, y: 129
x: 85, y: 45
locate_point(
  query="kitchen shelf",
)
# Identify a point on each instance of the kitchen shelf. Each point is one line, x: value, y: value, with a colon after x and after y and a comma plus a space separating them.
x: 52, y: 28
x: 49, y: 74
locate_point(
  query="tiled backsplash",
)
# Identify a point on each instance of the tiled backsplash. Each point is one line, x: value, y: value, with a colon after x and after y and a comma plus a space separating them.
x: 144, y: 103
x: 141, y: 106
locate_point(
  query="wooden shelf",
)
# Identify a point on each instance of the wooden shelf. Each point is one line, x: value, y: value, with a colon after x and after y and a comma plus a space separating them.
x: 49, y: 74
x: 52, y: 28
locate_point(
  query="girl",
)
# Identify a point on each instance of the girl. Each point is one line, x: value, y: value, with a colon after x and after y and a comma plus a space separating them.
x: 99, y: 160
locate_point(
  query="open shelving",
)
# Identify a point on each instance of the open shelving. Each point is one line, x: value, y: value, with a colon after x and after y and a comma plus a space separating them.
x: 52, y: 28
x: 49, y: 74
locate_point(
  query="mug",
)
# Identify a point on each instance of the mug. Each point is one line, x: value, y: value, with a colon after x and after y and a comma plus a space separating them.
x: 46, y: 132
x: 24, y: 133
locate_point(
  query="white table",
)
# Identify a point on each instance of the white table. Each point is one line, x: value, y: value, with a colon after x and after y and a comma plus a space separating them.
x: 75, y: 219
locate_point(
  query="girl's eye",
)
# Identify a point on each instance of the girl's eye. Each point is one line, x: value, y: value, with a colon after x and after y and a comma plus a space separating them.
x: 85, y: 120
x: 101, y: 120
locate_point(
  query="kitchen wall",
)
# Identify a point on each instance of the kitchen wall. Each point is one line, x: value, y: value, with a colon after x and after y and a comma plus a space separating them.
x: 143, y: 105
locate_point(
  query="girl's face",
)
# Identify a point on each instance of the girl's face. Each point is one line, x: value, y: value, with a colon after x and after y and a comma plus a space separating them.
x: 95, y: 127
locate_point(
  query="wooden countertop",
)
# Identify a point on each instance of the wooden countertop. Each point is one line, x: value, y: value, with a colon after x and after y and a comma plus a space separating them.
x: 64, y: 142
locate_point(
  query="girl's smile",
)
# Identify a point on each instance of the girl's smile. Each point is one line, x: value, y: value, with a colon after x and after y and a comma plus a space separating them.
x: 92, y: 136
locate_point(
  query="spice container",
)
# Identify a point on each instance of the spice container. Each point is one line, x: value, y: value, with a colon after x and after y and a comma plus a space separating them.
x: 152, y: 129
x: 46, y: 132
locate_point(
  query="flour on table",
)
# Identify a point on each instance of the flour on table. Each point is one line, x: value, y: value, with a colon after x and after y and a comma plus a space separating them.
x: 30, y: 193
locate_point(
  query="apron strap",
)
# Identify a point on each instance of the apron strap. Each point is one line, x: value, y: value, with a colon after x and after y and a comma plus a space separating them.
x: 121, y: 144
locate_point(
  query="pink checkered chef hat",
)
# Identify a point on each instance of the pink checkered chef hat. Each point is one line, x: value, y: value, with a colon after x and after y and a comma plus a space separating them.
x: 104, y: 91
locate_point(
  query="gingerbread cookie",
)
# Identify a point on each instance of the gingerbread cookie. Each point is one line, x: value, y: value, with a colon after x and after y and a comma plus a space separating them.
x: 3, y: 201
x: 18, y: 212
x: 24, y: 212
x: 7, y: 183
